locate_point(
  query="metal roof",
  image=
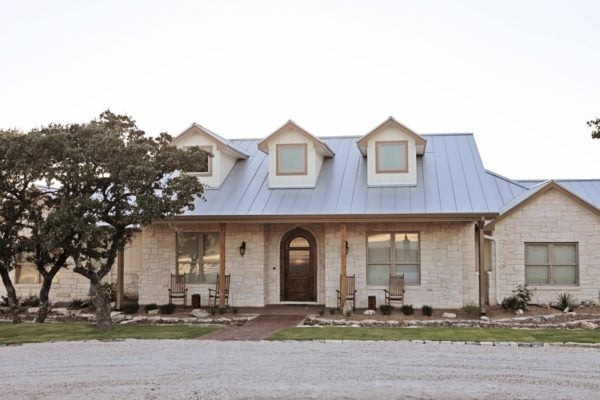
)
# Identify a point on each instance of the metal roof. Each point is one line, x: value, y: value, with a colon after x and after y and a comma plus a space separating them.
x: 510, y: 192
x: 451, y: 180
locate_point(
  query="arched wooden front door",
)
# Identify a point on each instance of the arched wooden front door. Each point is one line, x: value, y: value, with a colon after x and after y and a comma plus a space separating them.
x: 298, y: 266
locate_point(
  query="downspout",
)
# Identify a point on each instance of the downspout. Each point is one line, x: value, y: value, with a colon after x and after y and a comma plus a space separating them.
x: 496, y: 268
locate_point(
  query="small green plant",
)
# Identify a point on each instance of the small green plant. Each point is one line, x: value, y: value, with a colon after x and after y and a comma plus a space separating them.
x: 31, y: 301
x: 386, y: 309
x: 131, y: 308
x: 168, y: 308
x: 76, y: 303
x: 348, y: 313
x: 522, y: 295
x: 321, y: 312
x: 235, y: 310
x: 407, y: 309
x: 150, y: 307
x: 212, y: 311
x: 222, y: 310
x: 427, y: 310
x: 332, y: 311
x: 565, y: 300
x: 471, y: 309
x: 110, y: 290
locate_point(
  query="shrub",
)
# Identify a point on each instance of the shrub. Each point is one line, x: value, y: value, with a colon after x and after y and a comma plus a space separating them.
x: 348, y: 313
x: 427, y: 310
x: 212, y: 311
x: 168, y: 308
x: 565, y: 300
x: 76, y: 303
x: 222, y: 310
x: 131, y: 308
x: 407, y: 309
x: 386, y: 309
x: 471, y: 309
x: 332, y: 311
x: 518, y: 301
x: 235, y: 310
x: 321, y: 312
x: 31, y: 301
x: 151, y: 306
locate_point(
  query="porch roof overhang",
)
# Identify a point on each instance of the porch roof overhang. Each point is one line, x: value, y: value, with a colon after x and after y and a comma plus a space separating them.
x: 338, y: 218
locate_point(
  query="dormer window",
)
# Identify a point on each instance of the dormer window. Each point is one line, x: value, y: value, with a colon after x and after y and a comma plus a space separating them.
x: 292, y: 159
x: 392, y: 156
x: 207, y: 170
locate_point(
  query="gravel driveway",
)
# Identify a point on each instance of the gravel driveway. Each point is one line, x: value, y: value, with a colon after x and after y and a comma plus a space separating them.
x: 189, y: 369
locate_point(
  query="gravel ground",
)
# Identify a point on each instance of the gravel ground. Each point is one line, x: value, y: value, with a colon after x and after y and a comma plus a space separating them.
x: 193, y: 369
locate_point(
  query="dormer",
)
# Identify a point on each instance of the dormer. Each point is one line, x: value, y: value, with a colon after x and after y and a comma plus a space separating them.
x: 391, y: 150
x: 223, y: 154
x: 295, y: 157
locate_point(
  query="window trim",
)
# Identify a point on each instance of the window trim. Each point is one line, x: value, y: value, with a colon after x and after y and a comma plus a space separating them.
x: 378, y: 168
x: 278, y: 158
x: 551, y: 264
x: 209, y: 172
x: 393, y: 254
x: 200, y: 252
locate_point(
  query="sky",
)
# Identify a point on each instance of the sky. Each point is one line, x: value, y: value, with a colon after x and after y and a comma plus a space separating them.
x: 522, y: 76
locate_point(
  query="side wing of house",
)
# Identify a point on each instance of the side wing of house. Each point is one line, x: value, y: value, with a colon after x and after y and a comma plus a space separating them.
x: 549, y: 238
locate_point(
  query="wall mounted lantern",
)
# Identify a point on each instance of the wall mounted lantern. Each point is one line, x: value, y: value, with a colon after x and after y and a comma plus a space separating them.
x: 243, y: 249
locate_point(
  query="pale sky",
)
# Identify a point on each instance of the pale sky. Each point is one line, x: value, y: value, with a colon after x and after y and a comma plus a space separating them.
x: 523, y: 76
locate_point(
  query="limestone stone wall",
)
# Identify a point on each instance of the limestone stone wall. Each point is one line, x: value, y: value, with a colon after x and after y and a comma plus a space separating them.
x: 159, y: 261
x: 67, y: 286
x: 552, y: 217
x: 448, y: 268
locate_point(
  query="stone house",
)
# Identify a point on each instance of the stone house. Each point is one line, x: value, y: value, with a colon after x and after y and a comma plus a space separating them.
x: 286, y: 214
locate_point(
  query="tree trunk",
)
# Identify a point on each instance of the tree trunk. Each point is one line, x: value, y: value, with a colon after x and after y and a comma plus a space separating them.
x: 11, y: 294
x: 44, y: 304
x: 102, y: 305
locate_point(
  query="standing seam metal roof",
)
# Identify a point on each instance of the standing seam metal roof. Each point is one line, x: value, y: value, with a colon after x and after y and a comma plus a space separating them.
x: 451, y: 180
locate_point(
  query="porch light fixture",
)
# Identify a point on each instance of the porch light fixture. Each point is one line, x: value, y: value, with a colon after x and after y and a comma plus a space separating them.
x: 243, y: 249
x: 347, y: 247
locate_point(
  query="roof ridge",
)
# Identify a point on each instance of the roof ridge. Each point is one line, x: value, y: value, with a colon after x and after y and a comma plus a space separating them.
x: 504, y: 178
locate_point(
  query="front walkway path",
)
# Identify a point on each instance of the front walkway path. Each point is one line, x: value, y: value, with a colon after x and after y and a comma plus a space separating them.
x: 258, y: 329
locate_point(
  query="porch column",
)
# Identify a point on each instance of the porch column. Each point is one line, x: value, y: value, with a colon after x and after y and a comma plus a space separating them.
x: 343, y: 283
x: 120, y: 278
x: 221, y: 265
x: 481, y: 240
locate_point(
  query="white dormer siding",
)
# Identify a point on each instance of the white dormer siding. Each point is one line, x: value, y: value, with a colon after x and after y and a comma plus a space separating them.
x: 391, y: 150
x: 224, y: 155
x: 295, y: 157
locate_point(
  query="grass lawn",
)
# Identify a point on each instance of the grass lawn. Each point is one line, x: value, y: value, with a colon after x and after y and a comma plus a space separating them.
x: 66, y: 331
x: 452, y: 334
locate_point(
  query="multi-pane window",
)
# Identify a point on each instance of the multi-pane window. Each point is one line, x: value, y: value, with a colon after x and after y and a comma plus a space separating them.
x: 198, y: 256
x: 393, y: 253
x: 551, y: 263
x: 391, y: 156
x: 291, y: 159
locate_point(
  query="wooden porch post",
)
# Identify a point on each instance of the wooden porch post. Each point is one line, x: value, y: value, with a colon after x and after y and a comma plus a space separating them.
x: 221, y: 265
x: 120, y: 278
x: 482, y: 272
x: 343, y: 283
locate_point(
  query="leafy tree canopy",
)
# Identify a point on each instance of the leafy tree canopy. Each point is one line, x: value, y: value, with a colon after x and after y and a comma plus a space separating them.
x: 595, y: 125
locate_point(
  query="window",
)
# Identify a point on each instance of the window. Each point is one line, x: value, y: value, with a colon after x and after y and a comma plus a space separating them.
x: 393, y: 253
x: 551, y: 263
x: 198, y: 256
x: 26, y: 271
x: 391, y: 156
x: 207, y: 171
x: 291, y: 159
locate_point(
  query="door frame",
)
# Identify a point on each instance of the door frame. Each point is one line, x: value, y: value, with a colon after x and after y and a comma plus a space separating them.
x: 284, y: 259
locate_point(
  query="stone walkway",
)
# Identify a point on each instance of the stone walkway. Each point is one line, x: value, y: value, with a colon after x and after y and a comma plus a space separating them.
x: 258, y: 329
